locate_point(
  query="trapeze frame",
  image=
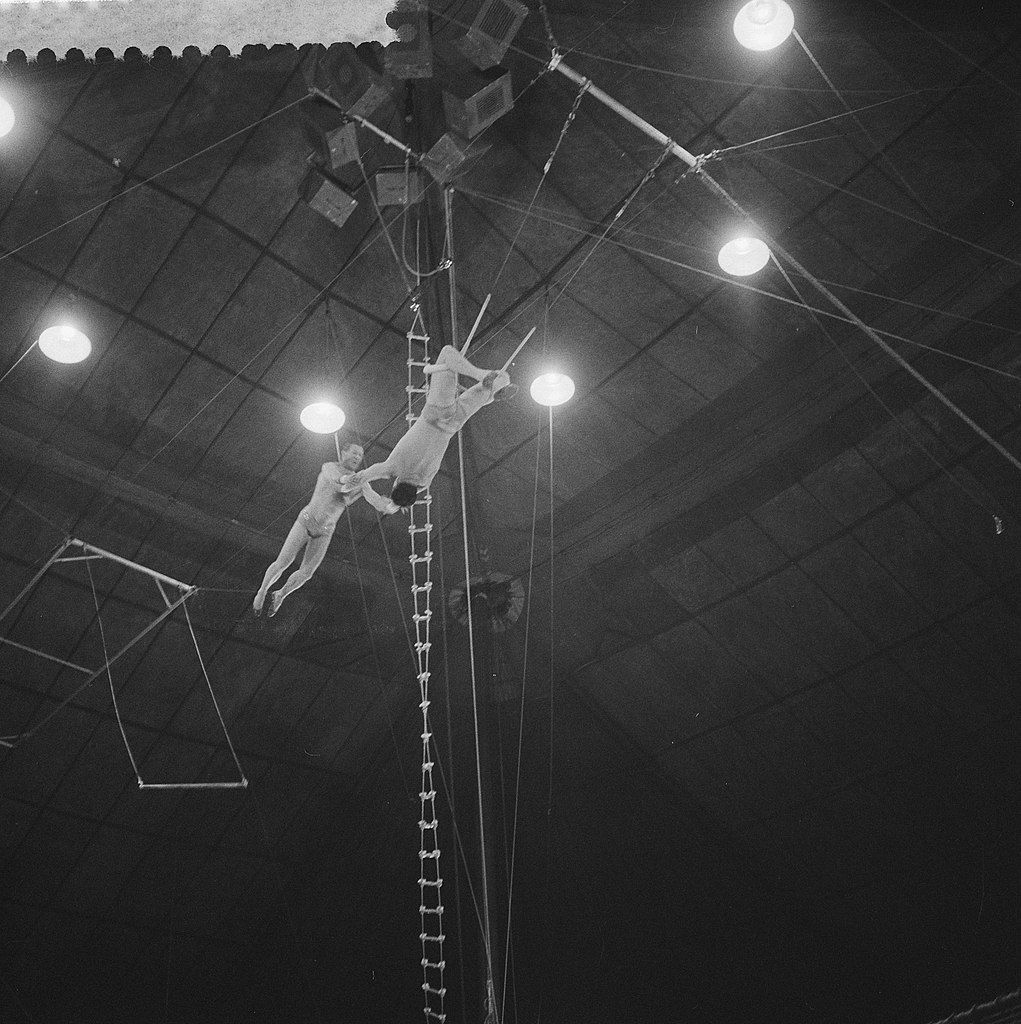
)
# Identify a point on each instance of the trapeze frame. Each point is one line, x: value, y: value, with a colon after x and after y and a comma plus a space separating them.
x: 90, y: 552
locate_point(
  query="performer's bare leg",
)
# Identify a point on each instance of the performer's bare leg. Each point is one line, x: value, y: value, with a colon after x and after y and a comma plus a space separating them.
x: 315, y: 552
x: 292, y: 546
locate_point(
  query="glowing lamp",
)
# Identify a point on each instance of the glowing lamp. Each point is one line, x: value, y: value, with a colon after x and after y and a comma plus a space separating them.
x: 65, y: 344
x: 763, y: 24
x: 744, y: 256
x: 552, y: 388
x: 322, y: 417
x: 6, y: 117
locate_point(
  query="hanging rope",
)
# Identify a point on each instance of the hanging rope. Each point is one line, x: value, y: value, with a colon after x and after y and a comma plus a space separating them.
x: 109, y: 676
x: 475, y: 720
x: 545, y: 171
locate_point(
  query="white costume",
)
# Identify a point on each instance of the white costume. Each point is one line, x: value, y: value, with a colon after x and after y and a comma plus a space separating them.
x: 417, y: 455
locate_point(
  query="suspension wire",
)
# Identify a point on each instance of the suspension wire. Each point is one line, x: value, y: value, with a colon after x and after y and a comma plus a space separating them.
x: 383, y: 226
x: 895, y: 213
x: 10, y: 369
x: 936, y: 392
x: 790, y: 145
x: 553, y: 217
x: 716, y: 153
x: 773, y: 295
x: 953, y: 49
x: 895, y: 419
x: 152, y: 177
x: 545, y: 171
x: 449, y: 791
x: 521, y: 721
x: 879, y: 151
x: 703, y: 80
x: 475, y: 718
x: 209, y: 686
x: 17, y: 738
x: 109, y: 676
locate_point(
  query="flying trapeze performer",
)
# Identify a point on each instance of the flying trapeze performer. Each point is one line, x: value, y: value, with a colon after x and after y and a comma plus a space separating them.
x: 337, y: 487
x: 417, y: 456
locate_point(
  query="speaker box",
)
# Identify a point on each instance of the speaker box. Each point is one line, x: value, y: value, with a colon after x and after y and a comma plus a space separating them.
x: 491, y: 32
x: 473, y: 100
x: 329, y: 199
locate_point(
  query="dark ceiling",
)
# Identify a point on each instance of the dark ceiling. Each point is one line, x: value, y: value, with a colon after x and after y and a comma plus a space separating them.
x: 766, y: 772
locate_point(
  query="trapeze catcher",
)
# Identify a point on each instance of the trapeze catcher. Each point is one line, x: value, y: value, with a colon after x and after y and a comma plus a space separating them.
x: 337, y: 488
x: 416, y: 457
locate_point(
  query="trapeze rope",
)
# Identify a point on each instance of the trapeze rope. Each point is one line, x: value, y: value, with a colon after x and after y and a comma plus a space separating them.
x: 521, y: 719
x: 475, y: 715
x: 109, y: 676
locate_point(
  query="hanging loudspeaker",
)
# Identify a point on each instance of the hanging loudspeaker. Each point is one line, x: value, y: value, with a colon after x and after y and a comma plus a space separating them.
x: 342, y: 75
x: 328, y: 198
x: 490, y: 34
x: 473, y: 100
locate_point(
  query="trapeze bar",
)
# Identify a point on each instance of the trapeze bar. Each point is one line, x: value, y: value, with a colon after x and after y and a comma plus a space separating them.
x: 628, y: 115
x: 48, y: 657
x: 80, y: 558
x: 242, y: 784
x: 386, y: 136
x: 169, y: 580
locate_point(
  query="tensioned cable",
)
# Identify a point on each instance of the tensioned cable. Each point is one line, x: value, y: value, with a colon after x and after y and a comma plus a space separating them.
x: 953, y: 49
x: 702, y: 79
x: 895, y: 213
x: 152, y: 177
x: 216, y: 703
x: 383, y: 226
x: 545, y: 171
x: 475, y: 710
x: 812, y: 124
x: 10, y: 369
x: 16, y: 738
x: 768, y: 294
x: 981, y: 503
x: 109, y: 676
x: 879, y: 151
x: 556, y: 217
x: 450, y: 760
x: 521, y: 719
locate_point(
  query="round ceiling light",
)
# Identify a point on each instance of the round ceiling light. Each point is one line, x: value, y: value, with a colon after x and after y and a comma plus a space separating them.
x: 6, y: 116
x: 744, y: 256
x: 763, y: 24
x: 322, y: 417
x: 65, y: 344
x: 552, y: 388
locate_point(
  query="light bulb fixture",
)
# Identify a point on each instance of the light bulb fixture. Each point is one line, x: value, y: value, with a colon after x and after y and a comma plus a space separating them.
x: 763, y: 24
x: 552, y: 388
x: 6, y: 117
x: 322, y: 417
x: 65, y: 344
x: 743, y: 256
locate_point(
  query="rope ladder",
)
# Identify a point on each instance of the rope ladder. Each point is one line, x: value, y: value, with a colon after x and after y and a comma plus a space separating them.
x: 430, y: 881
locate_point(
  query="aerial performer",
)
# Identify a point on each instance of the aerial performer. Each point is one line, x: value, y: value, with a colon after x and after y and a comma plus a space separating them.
x: 337, y: 488
x: 417, y: 456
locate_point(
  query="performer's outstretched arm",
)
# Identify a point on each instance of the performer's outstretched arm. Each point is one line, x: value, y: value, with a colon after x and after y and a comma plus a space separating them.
x: 378, y: 502
x: 376, y: 472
